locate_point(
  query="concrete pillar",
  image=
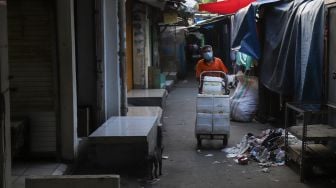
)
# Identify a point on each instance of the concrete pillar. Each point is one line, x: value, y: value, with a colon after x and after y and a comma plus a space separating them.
x: 67, y: 71
x: 140, y: 72
x: 110, y: 58
x: 5, y: 148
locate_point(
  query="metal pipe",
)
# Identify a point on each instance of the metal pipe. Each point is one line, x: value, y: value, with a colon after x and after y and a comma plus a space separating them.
x: 122, y: 56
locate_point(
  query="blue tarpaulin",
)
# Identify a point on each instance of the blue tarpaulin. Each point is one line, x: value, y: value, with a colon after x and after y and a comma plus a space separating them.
x: 245, y: 36
x: 292, y: 49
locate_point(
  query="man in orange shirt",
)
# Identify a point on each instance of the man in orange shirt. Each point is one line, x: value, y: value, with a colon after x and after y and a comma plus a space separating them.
x: 209, y: 63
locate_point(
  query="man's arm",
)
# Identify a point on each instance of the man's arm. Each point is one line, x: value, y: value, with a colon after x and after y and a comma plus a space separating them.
x: 222, y: 66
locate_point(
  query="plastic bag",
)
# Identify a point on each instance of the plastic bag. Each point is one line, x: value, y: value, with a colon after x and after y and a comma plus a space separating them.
x: 244, y: 101
x: 213, y: 85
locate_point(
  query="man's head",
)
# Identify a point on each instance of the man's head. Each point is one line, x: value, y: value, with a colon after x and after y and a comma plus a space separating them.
x: 207, y: 53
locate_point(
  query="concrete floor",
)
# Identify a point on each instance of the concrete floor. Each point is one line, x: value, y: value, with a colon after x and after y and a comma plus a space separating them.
x: 186, y: 167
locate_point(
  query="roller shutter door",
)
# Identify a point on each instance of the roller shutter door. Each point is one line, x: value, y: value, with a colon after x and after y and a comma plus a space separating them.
x: 32, y: 59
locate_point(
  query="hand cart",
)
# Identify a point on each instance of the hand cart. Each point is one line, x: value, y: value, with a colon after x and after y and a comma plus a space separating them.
x: 213, y: 108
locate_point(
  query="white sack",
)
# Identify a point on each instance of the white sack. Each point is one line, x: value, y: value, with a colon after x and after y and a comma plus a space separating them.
x: 244, y: 101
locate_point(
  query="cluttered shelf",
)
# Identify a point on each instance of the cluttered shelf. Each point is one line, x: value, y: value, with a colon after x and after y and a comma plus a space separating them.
x: 317, y: 132
x: 310, y: 119
x: 314, y: 151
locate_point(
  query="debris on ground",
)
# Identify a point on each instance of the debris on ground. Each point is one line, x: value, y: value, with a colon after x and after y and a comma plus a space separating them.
x: 267, y: 148
x: 231, y: 155
x: 216, y: 162
x: 165, y: 157
x: 209, y: 155
x: 265, y: 170
x: 153, y: 181
x: 242, y: 160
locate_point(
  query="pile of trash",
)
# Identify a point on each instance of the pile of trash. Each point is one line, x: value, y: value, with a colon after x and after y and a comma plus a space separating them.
x: 266, y: 148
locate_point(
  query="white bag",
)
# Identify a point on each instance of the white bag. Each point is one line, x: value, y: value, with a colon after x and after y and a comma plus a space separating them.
x: 212, y: 79
x: 244, y: 101
x: 213, y: 85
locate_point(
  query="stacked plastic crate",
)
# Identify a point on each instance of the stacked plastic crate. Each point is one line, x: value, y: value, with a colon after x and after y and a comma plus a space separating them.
x: 213, y: 115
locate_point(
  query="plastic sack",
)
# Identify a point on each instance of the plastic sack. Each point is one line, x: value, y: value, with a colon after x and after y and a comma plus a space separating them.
x: 212, y: 85
x: 244, y: 101
x: 212, y: 79
x: 215, y: 88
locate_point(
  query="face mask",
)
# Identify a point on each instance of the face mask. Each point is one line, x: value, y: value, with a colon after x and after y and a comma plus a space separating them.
x: 208, y: 56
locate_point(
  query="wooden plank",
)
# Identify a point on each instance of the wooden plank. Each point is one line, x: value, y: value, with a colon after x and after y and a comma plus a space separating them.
x: 315, y: 132
x: 313, y: 151
x: 320, y: 150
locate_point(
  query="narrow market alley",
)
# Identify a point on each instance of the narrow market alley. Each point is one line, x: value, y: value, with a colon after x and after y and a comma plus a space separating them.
x: 167, y: 93
x: 187, y: 166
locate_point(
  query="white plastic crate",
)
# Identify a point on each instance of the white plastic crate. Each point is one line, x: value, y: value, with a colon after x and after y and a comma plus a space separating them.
x: 221, y: 104
x: 221, y: 123
x: 204, y: 104
x: 204, y: 123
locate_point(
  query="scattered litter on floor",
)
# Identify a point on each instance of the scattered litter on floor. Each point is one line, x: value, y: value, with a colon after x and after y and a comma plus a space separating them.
x: 276, y: 180
x: 265, y: 170
x: 209, y: 155
x: 229, y: 165
x: 231, y: 155
x: 267, y: 148
x: 224, y: 161
x: 165, y: 157
x: 216, y: 162
x: 231, y: 152
x: 153, y: 181
x: 267, y: 164
x: 198, y: 151
x: 242, y: 160
x: 243, y: 171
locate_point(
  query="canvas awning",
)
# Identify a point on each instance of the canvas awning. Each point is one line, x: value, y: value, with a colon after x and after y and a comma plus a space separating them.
x: 224, y: 7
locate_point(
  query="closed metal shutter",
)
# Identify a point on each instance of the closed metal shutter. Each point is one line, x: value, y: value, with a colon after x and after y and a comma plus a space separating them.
x: 32, y: 62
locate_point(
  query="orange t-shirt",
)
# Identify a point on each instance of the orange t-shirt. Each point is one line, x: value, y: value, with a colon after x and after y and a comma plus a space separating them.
x: 217, y: 65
